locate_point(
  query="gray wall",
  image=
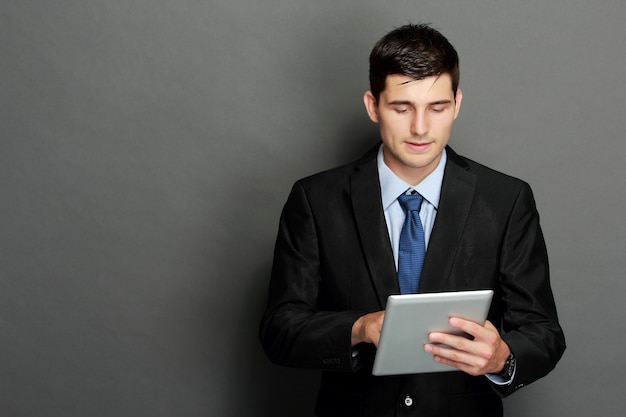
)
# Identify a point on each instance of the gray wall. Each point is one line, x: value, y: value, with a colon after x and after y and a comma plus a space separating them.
x: 147, y: 148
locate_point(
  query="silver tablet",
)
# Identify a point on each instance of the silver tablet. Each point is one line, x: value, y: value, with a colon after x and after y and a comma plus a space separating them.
x: 410, y: 318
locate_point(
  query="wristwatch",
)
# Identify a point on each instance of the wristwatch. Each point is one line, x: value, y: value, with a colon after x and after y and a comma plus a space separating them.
x: 509, y: 367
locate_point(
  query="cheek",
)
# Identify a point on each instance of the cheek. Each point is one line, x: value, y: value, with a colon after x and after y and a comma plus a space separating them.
x: 396, y: 127
x: 443, y: 128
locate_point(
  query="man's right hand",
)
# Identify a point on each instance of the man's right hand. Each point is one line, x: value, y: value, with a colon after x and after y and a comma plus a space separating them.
x: 366, y: 329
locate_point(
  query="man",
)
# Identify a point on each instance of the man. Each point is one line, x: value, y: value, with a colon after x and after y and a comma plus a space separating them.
x: 339, y: 242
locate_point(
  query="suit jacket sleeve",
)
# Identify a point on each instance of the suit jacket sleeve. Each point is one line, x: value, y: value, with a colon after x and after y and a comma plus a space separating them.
x: 529, y: 318
x: 296, y: 330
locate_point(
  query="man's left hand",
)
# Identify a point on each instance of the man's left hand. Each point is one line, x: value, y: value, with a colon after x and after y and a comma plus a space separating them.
x: 485, y: 354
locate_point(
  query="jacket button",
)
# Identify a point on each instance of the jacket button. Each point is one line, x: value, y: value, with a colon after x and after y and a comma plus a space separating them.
x: 408, y: 401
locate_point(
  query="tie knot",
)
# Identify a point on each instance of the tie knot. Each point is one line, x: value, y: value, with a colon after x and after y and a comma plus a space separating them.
x: 410, y: 202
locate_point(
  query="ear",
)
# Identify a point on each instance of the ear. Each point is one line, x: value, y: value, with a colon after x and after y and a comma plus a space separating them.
x: 457, y: 102
x: 371, y: 106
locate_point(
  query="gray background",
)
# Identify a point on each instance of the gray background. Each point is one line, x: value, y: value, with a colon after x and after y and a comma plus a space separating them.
x: 147, y: 148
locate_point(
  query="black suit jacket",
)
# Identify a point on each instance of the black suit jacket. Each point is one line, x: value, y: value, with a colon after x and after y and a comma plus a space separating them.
x: 333, y: 263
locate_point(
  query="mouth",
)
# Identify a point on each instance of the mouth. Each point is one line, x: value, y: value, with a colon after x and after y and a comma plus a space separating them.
x: 418, y: 146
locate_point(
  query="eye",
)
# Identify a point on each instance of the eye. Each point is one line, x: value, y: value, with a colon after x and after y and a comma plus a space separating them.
x: 401, y: 110
x: 437, y: 109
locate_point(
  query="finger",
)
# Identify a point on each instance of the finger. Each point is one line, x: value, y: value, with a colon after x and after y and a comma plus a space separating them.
x: 487, y: 333
x: 480, y: 349
x: 455, y: 358
x: 467, y: 326
x: 449, y: 353
x: 454, y: 341
x: 461, y: 366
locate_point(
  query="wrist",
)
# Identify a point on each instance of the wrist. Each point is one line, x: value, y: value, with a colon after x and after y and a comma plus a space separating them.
x: 509, y: 367
x: 356, y: 332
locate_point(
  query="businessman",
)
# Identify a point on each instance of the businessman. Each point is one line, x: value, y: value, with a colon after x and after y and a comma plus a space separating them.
x: 411, y: 216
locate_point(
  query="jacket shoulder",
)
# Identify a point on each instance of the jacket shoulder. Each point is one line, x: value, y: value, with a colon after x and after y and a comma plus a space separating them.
x: 485, y: 176
x: 340, y: 176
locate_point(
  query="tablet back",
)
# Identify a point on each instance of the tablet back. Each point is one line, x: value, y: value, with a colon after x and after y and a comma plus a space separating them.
x: 409, y: 319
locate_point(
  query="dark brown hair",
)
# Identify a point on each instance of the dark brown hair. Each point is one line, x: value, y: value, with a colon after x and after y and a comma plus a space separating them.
x: 415, y: 50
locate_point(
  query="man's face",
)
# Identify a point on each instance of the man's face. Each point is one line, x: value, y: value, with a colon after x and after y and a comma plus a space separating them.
x: 415, y: 118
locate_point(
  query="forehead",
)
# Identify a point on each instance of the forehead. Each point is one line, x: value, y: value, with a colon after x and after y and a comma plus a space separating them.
x: 439, y: 87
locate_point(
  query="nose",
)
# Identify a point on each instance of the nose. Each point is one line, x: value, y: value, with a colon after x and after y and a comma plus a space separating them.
x: 419, y: 124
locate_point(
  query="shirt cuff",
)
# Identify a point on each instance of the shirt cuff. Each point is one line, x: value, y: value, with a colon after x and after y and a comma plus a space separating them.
x: 502, y: 380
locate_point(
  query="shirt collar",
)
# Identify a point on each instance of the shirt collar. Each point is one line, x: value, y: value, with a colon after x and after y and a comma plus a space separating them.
x: 391, y: 186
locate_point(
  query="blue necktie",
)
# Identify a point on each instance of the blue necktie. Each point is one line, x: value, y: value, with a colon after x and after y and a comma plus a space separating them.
x: 412, y: 246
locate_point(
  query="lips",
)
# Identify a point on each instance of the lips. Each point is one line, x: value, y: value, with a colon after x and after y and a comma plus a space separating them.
x: 417, y: 146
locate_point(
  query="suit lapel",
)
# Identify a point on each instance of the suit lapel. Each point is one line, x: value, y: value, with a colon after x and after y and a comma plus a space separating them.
x: 370, y: 220
x: 457, y: 192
